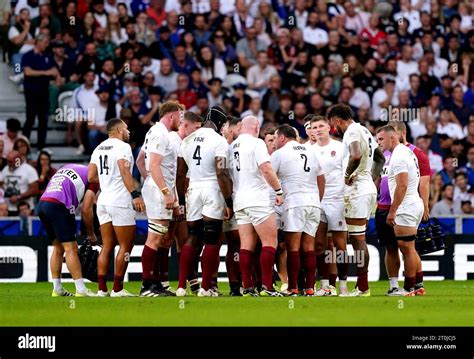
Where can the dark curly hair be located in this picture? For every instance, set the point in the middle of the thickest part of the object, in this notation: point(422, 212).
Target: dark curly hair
point(340, 110)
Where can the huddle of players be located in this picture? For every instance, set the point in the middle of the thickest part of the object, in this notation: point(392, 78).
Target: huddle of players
point(222, 183)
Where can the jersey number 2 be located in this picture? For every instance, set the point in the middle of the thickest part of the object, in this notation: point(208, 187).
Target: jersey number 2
point(305, 166)
point(104, 165)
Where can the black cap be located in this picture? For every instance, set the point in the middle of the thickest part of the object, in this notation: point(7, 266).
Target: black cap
point(217, 115)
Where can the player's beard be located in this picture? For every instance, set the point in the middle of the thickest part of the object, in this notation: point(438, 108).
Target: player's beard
point(339, 130)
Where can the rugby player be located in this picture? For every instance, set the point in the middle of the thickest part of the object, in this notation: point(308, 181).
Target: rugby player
point(251, 171)
point(424, 191)
point(329, 153)
point(111, 166)
point(407, 208)
point(208, 198)
point(361, 161)
point(230, 131)
point(177, 230)
point(302, 181)
point(56, 209)
point(159, 191)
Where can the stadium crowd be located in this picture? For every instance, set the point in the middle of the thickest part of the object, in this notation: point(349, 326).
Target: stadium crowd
point(276, 60)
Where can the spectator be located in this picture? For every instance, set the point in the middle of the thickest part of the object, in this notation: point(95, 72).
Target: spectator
point(98, 10)
point(255, 109)
point(44, 170)
point(382, 99)
point(167, 78)
point(428, 83)
point(114, 32)
point(12, 134)
point(21, 42)
point(224, 51)
point(24, 212)
point(240, 99)
point(248, 48)
point(143, 30)
point(461, 110)
point(242, 19)
point(201, 34)
point(3, 160)
point(22, 145)
point(373, 32)
point(446, 126)
point(283, 113)
point(210, 65)
point(183, 94)
point(436, 187)
point(298, 121)
point(105, 49)
point(466, 207)
point(202, 106)
point(258, 75)
point(368, 80)
point(447, 206)
point(449, 169)
point(270, 100)
point(47, 20)
point(66, 80)
point(313, 34)
point(38, 68)
point(461, 188)
point(182, 62)
point(3, 209)
point(215, 95)
point(19, 181)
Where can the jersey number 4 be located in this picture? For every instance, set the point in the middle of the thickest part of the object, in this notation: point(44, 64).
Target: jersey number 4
point(104, 165)
point(197, 155)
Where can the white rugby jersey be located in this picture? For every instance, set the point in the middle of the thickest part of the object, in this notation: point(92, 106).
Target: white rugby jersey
point(158, 140)
point(199, 150)
point(297, 168)
point(403, 159)
point(363, 183)
point(112, 189)
point(246, 154)
point(330, 159)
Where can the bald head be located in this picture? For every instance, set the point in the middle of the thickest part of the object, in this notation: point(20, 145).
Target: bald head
point(250, 126)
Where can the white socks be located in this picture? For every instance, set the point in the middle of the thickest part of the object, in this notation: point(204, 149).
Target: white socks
point(324, 283)
point(342, 284)
point(393, 282)
point(80, 286)
point(57, 285)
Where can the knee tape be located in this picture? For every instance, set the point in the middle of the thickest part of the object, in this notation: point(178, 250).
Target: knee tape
point(157, 228)
point(212, 231)
point(196, 228)
point(356, 230)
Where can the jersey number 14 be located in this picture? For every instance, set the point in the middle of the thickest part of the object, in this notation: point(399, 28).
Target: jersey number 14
point(104, 165)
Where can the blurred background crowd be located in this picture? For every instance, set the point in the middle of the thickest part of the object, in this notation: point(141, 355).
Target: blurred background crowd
point(279, 60)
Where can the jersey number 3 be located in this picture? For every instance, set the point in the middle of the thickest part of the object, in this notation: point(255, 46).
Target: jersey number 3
point(104, 165)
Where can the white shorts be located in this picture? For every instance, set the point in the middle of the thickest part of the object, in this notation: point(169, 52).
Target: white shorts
point(301, 219)
point(155, 203)
point(230, 225)
point(410, 215)
point(119, 216)
point(360, 206)
point(207, 202)
point(332, 213)
point(253, 215)
point(278, 214)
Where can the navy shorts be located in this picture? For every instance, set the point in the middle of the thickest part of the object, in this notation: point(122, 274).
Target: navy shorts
point(385, 233)
point(58, 222)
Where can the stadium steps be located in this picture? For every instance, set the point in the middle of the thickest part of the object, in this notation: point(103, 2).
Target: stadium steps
point(12, 104)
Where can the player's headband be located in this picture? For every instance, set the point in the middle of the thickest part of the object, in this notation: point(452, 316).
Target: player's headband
point(217, 116)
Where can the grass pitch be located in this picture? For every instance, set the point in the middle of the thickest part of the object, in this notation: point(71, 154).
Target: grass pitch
point(447, 303)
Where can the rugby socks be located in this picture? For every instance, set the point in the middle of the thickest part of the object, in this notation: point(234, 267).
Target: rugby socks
point(102, 279)
point(267, 260)
point(342, 271)
point(309, 264)
point(163, 263)
point(409, 283)
point(209, 259)
point(118, 283)
point(324, 283)
point(393, 282)
point(186, 264)
point(294, 264)
point(363, 281)
point(148, 264)
point(323, 267)
point(80, 286)
point(332, 279)
point(246, 261)
point(342, 284)
point(419, 278)
point(57, 285)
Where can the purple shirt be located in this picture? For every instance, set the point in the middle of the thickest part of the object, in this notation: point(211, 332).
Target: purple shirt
point(384, 198)
point(68, 186)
